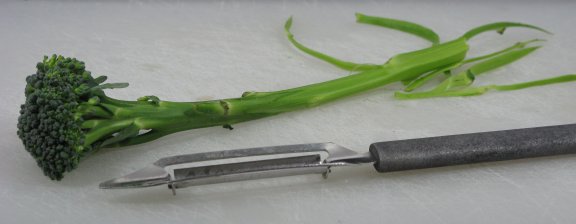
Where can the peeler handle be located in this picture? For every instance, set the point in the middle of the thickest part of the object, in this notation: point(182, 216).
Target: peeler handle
point(474, 148)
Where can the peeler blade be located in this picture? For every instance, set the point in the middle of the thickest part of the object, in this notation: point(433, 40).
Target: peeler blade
point(240, 164)
point(146, 177)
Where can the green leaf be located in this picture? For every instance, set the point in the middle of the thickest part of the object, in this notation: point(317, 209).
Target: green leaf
point(152, 99)
point(128, 132)
point(95, 100)
point(420, 81)
point(541, 82)
point(400, 25)
point(472, 91)
point(90, 124)
point(432, 94)
point(89, 110)
point(500, 60)
point(499, 27)
point(100, 79)
point(518, 45)
point(346, 65)
point(110, 86)
point(466, 78)
point(456, 85)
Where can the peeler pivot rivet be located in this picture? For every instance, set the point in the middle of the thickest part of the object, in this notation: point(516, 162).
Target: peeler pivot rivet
point(325, 174)
point(173, 188)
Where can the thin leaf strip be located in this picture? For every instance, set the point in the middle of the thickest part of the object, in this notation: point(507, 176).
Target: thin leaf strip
point(518, 45)
point(346, 65)
point(541, 82)
point(400, 25)
point(420, 81)
point(500, 60)
point(500, 27)
point(472, 91)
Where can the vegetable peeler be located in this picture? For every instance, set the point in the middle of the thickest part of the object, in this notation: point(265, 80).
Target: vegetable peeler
point(317, 158)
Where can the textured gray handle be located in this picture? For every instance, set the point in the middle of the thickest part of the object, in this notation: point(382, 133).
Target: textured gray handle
point(474, 148)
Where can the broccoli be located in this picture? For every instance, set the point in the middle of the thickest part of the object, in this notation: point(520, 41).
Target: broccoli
point(67, 116)
point(61, 98)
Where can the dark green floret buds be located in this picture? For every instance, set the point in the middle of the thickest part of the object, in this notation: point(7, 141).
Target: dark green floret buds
point(48, 125)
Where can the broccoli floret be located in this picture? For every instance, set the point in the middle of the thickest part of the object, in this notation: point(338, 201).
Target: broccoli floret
point(48, 125)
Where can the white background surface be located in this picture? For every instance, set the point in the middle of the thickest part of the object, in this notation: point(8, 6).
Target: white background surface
point(185, 52)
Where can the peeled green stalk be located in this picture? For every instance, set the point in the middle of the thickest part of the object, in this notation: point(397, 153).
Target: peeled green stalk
point(164, 117)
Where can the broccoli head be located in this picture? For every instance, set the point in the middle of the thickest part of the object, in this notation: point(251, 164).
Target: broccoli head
point(50, 124)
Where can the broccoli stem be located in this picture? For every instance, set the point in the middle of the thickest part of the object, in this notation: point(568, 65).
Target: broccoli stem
point(164, 117)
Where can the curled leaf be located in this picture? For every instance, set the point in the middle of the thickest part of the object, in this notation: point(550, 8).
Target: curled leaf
point(499, 27)
point(400, 25)
point(346, 65)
